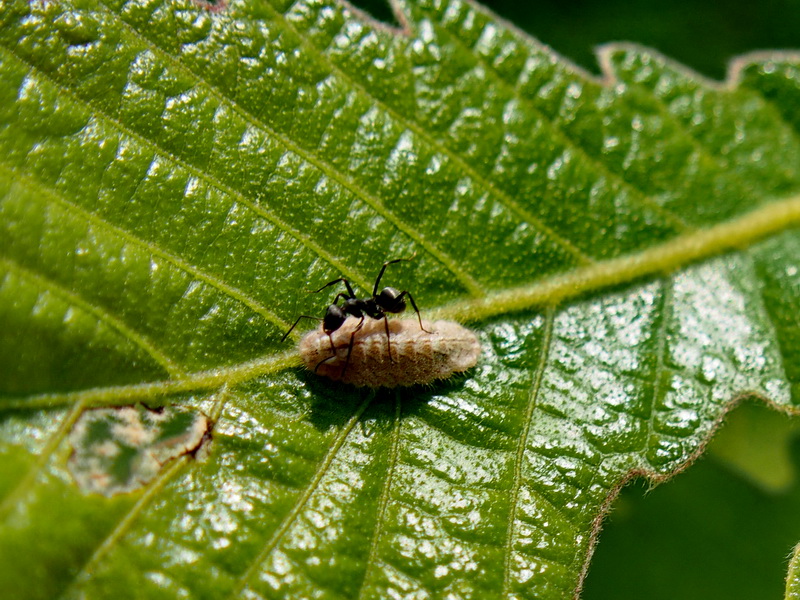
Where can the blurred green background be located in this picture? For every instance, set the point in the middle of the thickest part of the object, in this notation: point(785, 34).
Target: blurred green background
point(726, 527)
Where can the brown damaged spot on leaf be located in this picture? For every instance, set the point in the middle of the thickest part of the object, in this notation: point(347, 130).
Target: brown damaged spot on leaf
point(213, 6)
point(118, 450)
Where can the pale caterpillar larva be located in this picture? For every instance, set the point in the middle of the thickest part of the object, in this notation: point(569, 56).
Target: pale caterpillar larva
point(418, 356)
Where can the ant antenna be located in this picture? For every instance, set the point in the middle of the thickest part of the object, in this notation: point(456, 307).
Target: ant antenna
point(330, 283)
point(285, 335)
point(383, 268)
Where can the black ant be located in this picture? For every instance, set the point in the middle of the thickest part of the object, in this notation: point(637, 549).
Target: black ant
point(390, 300)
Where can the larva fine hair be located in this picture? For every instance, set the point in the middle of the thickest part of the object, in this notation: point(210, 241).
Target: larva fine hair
point(419, 356)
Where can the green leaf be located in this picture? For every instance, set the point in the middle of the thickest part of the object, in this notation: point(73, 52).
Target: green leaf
point(173, 177)
point(792, 577)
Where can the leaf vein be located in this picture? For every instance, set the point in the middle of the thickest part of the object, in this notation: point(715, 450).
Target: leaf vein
point(769, 317)
point(303, 498)
point(215, 182)
point(126, 522)
point(524, 214)
point(663, 258)
point(346, 181)
point(172, 368)
point(14, 497)
point(372, 555)
point(643, 198)
point(154, 391)
point(520, 452)
point(665, 311)
point(702, 146)
point(152, 248)
point(107, 545)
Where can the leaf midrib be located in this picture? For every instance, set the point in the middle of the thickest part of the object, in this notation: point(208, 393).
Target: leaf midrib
point(662, 259)
point(665, 258)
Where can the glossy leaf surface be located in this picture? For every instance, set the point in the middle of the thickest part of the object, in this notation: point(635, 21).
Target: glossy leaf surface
point(173, 177)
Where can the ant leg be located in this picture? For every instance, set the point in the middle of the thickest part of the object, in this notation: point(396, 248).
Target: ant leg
point(350, 346)
point(323, 361)
point(285, 335)
point(340, 295)
point(388, 341)
point(330, 283)
point(333, 348)
point(414, 305)
point(332, 356)
point(383, 268)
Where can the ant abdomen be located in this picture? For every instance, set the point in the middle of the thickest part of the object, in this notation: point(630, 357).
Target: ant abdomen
point(334, 317)
point(419, 356)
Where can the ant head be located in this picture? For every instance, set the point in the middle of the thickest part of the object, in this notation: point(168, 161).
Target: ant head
point(333, 319)
point(390, 300)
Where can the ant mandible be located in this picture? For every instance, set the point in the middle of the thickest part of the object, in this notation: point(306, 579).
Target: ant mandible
point(389, 300)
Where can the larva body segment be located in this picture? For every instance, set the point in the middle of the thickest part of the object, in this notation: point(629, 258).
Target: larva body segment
point(419, 357)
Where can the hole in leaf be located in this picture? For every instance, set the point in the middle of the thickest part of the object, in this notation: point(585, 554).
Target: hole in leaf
point(212, 5)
